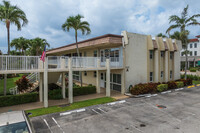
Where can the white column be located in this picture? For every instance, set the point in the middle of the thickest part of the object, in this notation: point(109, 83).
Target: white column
point(98, 78)
point(123, 88)
point(63, 85)
point(108, 77)
point(41, 87)
point(46, 82)
point(166, 66)
point(70, 81)
point(188, 65)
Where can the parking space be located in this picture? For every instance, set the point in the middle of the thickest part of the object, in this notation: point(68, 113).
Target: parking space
point(176, 111)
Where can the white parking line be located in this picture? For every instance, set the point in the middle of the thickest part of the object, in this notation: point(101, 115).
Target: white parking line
point(58, 124)
point(179, 89)
point(68, 113)
point(164, 92)
point(95, 111)
point(101, 110)
point(47, 125)
point(112, 103)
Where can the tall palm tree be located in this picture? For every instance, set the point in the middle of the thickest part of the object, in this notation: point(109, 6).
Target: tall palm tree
point(21, 44)
point(161, 35)
point(12, 15)
point(37, 46)
point(182, 22)
point(74, 22)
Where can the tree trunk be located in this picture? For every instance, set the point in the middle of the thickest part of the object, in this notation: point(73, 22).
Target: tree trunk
point(186, 63)
point(80, 73)
point(8, 35)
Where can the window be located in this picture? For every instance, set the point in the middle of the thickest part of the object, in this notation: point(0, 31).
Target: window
point(85, 73)
point(161, 74)
point(95, 74)
point(171, 55)
point(195, 45)
point(162, 53)
point(76, 75)
point(115, 82)
point(151, 77)
point(190, 53)
point(191, 45)
point(151, 54)
point(195, 53)
point(102, 76)
point(85, 54)
point(170, 75)
point(95, 53)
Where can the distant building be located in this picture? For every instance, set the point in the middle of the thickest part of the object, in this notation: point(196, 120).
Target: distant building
point(194, 52)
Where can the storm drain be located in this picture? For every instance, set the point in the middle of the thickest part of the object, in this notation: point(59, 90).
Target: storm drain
point(161, 106)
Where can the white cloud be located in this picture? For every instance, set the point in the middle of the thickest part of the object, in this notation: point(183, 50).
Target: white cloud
point(105, 16)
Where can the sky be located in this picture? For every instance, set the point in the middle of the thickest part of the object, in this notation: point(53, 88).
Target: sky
point(46, 17)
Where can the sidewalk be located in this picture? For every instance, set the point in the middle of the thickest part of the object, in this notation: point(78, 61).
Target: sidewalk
point(35, 105)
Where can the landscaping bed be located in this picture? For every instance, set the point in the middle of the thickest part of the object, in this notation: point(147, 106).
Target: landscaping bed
point(152, 88)
point(55, 94)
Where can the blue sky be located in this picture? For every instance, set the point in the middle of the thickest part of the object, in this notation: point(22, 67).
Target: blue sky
point(105, 16)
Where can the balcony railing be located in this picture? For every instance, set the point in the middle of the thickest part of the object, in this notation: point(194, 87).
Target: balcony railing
point(18, 62)
point(56, 62)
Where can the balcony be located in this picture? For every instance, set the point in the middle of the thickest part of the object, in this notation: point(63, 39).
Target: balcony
point(27, 64)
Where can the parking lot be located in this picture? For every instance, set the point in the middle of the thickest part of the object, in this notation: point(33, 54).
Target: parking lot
point(174, 112)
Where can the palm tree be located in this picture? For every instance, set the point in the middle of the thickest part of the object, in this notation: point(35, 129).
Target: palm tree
point(74, 22)
point(21, 44)
point(182, 22)
point(12, 15)
point(161, 35)
point(37, 46)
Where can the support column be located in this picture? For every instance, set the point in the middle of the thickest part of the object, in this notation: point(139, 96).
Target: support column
point(40, 87)
point(123, 88)
point(108, 77)
point(63, 85)
point(98, 78)
point(166, 66)
point(156, 66)
point(188, 65)
point(46, 82)
point(70, 81)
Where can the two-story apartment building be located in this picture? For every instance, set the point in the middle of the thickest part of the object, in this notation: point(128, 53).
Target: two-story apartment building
point(194, 52)
point(134, 58)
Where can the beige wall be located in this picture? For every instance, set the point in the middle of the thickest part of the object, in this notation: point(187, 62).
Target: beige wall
point(89, 79)
point(177, 61)
point(136, 59)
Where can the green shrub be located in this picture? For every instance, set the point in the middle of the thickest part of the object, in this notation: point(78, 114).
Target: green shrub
point(55, 94)
point(18, 99)
point(162, 87)
point(77, 91)
point(23, 84)
point(84, 90)
point(193, 69)
point(182, 80)
point(179, 84)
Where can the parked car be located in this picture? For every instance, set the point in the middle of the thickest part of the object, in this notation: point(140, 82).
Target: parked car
point(14, 122)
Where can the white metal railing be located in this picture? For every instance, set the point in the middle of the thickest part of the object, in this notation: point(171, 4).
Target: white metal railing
point(18, 62)
point(54, 62)
point(84, 62)
point(33, 77)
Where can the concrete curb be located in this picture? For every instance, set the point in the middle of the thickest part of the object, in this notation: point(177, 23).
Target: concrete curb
point(74, 111)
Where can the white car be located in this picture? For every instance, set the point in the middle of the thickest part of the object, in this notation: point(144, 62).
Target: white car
point(14, 122)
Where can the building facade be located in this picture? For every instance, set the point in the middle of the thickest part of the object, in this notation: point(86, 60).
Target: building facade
point(134, 59)
point(193, 54)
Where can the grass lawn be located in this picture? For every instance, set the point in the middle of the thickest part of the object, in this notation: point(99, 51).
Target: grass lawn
point(76, 105)
point(10, 83)
point(196, 82)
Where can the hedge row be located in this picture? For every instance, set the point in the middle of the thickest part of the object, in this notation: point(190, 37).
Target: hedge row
point(77, 91)
point(192, 77)
point(158, 87)
point(18, 99)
